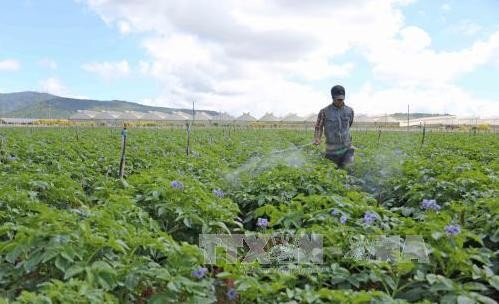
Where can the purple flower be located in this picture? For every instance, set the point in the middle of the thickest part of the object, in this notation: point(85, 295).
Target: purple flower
point(200, 272)
point(452, 229)
point(177, 185)
point(218, 192)
point(430, 204)
point(369, 217)
point(343, 219)
point(334, 212)
point(262, 222)
point(232, 294)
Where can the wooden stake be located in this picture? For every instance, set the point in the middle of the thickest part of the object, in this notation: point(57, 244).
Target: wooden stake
point(123, 146)
point(424, 133)
point(189, 125)
point(187, 148)
point(408, 118)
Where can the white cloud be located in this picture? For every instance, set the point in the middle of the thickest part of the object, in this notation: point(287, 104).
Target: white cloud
point(434, 99)
point(124, 27)
point(48, 63)
point(144, 67)
point(466, 27)
point(446, 7)
point(9, 65)
point(264, 55)
point(54, 86)
point(410, 60)
point(108, 70)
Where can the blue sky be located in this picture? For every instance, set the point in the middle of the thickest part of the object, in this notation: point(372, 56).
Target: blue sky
point(447, 28)
point(69, 34)
point(141, 51)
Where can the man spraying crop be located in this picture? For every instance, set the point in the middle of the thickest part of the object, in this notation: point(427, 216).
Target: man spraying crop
point(335, 121)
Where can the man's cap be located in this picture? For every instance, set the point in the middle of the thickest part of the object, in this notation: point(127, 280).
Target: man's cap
point(338, 92)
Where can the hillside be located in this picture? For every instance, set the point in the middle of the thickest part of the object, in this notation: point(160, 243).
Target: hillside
point(10, 102)
point(403, 116)
point(42, 105)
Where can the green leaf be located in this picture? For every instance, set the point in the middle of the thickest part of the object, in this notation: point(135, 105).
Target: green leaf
point(61, 264)
point(187, 222)
point(68, 253)
point(436, 235)
point(484, 299)
point(419, 276)
point(475, 286)
point(131, 281)
point(13, 254)
point(224, 275)
point(404, 267)
point(495, 236)
point(465, 300)
point(431, 278)
point(73, 270)
point(494, 282)
point(105, 280)
point(389, 280)
point(33, 261)
point(173, 286)
point(160, 299)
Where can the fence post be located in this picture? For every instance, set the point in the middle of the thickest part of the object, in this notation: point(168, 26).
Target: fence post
point(3, 144)
point(189, 125)
point(408, 116)
point(123, 146)
point(379, 135)
point(424, 133)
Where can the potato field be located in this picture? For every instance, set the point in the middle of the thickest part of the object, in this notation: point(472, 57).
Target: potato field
point(72, 231)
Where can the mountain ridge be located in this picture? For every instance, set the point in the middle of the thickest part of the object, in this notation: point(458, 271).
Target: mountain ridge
point(30, 104)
